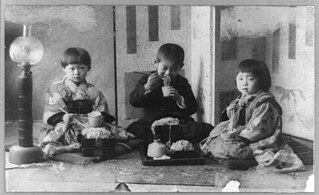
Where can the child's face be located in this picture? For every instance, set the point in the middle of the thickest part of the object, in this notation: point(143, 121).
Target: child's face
point(76, 72)
point(167, 68)
point(247, 83)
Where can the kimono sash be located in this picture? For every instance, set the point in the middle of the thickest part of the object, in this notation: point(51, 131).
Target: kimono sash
point(79, 106)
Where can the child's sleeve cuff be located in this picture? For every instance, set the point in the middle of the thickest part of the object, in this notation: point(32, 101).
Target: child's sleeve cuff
point(147, 92)
point(181, 103)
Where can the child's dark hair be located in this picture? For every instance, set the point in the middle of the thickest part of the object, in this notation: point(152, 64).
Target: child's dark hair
point(258, 69)
point(172, 52)
point(76, 55)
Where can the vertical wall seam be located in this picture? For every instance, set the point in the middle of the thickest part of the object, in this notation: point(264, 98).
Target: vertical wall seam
point(115, 64)
point(217, 58)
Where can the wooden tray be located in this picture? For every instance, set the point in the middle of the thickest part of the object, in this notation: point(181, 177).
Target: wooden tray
point(148, 161)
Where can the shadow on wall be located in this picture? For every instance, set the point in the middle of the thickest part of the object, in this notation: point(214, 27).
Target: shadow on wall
point(200, 93)
point(131, 78)
point(12, 71)
point(296, 96)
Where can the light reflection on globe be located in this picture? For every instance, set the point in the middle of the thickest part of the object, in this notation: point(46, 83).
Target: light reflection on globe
point(26, 49)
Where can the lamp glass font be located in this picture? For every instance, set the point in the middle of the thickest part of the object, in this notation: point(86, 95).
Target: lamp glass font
point(26, 49)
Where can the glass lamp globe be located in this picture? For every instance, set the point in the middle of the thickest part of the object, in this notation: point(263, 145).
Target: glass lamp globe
point(26, 49)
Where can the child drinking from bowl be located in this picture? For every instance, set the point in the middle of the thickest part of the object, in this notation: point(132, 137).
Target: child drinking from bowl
point(165, 93)
point(66, 102)
point(252, 135)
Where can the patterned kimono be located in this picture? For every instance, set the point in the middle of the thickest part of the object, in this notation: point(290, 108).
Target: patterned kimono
point(66, 97)
point(254, 131)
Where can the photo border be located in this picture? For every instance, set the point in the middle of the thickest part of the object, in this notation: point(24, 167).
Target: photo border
point(3, 3)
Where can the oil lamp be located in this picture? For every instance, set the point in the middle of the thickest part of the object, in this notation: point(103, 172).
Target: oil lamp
point(26, 51)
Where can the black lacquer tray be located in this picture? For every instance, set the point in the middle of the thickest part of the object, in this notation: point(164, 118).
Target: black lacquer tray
point(177, 158)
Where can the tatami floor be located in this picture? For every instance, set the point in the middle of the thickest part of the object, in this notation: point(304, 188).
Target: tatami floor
point(55, 176)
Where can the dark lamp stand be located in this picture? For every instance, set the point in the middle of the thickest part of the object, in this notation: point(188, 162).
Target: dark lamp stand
point(25, 152)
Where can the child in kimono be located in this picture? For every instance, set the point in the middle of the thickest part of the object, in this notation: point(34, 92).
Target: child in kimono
point(66, 103)
point(165, 93)
point(253, 133)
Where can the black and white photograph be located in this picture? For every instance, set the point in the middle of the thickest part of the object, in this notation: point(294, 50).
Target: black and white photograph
point(137, 96)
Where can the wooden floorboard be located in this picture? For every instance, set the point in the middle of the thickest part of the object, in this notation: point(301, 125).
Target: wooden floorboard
point(302, 147)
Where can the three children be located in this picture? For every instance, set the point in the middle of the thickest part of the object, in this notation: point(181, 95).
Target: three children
point(252, 134)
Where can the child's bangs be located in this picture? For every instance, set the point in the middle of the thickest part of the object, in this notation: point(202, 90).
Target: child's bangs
point(72, 59)
point(244, 67)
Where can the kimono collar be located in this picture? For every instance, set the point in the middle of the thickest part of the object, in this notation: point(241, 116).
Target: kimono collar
point(247, 99)
point(74, 87)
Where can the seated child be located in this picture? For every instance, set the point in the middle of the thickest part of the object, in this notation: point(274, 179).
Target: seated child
point(165, 93)
point(66, 103)
point(252, 135)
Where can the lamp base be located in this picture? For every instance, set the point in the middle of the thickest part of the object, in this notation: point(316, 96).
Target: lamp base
point(25, 155)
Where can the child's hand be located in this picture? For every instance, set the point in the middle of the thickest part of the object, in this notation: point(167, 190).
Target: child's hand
point(152, 82)
point(67, 118)
point(174, 93)
point(230, 108)
point(171, 91)
point(165, 91)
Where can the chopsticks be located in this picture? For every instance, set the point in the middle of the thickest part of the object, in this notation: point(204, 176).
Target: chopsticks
point(167, 80)
point(77, 121)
